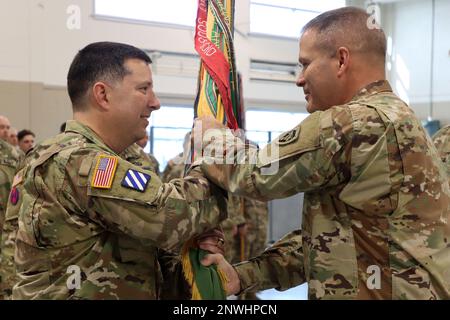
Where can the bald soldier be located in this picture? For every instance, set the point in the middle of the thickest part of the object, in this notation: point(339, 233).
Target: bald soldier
point(91, 223)
point(375, 216)
point(441, 141)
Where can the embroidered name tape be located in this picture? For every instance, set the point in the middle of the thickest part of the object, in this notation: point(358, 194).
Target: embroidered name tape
point(104, 172)
point(136, 180)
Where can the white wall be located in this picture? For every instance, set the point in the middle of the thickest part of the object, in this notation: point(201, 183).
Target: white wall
point(409, 24)
point(42, 48)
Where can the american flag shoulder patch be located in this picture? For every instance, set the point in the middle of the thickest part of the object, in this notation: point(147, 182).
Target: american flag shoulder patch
point(136, 180)
point(104, 172)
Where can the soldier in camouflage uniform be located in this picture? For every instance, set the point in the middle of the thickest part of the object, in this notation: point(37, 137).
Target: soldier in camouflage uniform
point(247, 237)
point(153, 162)
point(92, 224)
point(174, 168)
point(169, 262)
point(9, 161)
point(256, 215)
point(442, 143)
point(375, 217)
point(232, 227)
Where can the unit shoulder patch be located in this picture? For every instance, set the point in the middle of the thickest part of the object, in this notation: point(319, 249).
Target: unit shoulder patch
point(136, 180)
point(288, 137)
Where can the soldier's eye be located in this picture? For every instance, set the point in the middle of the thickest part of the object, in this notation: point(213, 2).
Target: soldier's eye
point(303, 66)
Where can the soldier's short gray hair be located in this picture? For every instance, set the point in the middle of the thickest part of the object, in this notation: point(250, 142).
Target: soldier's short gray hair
point(348, 27)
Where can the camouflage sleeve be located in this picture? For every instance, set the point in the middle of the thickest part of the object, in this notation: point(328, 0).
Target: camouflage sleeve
point(161, 215)
point(441, 141)
point(280, 266)
point(255, 208)
point(235, 210)
point(155, 164)
point(174, 285)
point(303, 159)
point(6, 177)
point(165, 177)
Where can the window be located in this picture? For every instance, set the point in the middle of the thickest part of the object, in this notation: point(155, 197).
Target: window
point(286, 18)
point(169, 125)
point(167, 129)
point(264, 126)
point(179, 12)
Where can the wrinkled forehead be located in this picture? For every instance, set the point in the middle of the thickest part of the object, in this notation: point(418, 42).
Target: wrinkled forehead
point(4, 122)
point(308, 44)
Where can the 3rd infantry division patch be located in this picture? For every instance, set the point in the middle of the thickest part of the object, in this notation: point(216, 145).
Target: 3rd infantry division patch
point(136, 180)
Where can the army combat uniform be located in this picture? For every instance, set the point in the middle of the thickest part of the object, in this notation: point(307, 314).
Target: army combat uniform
point(375, 216)
point(168, 261)
point(174, 169)
point(256, 215)
point(153, 163)
point(85, 211)
point(442, 143)
point(9, 161)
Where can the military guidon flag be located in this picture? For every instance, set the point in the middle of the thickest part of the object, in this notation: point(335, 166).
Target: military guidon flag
point(217, 95)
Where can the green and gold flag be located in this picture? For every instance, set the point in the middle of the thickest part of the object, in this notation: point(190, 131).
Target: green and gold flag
point(217, 95)
point(218, 91)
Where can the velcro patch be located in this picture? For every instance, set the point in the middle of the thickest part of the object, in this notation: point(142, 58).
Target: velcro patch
point(17, 179)
point(288, 137)
point(104, 172)
point(136, 180)
point(14, 196)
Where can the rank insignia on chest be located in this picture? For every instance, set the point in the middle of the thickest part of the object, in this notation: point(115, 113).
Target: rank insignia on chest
point(136, 180)
point(104, 172)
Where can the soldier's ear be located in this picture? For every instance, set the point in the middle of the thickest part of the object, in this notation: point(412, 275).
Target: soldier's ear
point(101, 95)
point(343, 56)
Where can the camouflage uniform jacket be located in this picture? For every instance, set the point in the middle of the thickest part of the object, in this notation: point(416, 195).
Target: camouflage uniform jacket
point(442, 142)
point(375, 216)
point(256, 214)
point(174, 168)
point(113, 235)
point(9, 160)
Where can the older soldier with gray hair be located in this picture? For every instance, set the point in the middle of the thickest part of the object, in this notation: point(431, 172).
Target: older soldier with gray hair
point(93, 222)
point(376, 209)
